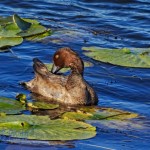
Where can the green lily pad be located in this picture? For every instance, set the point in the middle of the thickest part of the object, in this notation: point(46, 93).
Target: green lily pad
point(10, 41)
point(9, 30)
point(122, 57)
point(43, 105)
point(22, 24)
point(31, 21)
point(10, 106)
point(42, 128)
point(39, 37)
point(105, 117)
point(99, 114)
point(2, 114)
point(86, 64)
point(9, 19)
point(5, 20)
point(8, 36)
point(14, 29)
point(33, 30)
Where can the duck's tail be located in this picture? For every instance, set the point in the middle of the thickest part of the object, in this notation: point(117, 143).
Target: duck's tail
point(39, 67)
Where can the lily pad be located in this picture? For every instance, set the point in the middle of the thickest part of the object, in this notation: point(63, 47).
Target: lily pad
point(122, 57)
point(43, 105)
point(42, 128)
point(14, 29)
point(9, 19)
point(86, 64)
point(31, 21)
point(10, 106)
point(39, 37)
point(8, 36)
point(5, 20)
point(33, 30)
point(9, 30)
point(6, 42)
point(99, 114)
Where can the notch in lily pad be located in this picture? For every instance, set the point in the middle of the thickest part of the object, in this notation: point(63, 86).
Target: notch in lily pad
point(22, 24)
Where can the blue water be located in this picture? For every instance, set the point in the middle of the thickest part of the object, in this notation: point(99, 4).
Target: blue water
point(109, 24)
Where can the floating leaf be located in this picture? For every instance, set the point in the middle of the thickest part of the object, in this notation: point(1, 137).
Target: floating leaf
point(42, 128)
point(31, 21)
point(39, 37)
point(80, 116)
point(10, 106)
point(5, 20)
point(43, 105)
point(99, 114)
point(9, 19)
point(9, 30)
point(22, 24)
point(31, 29)
point(8, 36)
point(116, 114)
point(10, 41)
point(35, 29)
point(2, 114)
point(14, 29)
point(121, 57)
point(86, 64)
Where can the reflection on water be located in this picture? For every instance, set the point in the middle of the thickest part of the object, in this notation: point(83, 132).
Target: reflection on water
point(109, 23)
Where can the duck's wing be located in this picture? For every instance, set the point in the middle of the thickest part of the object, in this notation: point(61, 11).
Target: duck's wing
point(94, 97)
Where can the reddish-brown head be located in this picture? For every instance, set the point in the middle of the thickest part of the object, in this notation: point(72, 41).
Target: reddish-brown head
point(67, 58)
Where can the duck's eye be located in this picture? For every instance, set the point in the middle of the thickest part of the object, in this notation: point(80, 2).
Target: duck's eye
point(57, 56)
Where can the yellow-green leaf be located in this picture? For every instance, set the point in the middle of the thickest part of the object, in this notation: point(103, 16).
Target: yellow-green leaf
point(123, 57)
point(10, 106)
point(44, 105)
point(42, 128)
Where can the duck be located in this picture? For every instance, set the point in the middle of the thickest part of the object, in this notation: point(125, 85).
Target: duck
point(70, 89)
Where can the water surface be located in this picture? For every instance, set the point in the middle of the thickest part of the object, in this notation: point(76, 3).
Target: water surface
point(109, 24)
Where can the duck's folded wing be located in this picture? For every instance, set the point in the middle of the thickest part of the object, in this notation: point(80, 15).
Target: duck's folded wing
point(94, 97)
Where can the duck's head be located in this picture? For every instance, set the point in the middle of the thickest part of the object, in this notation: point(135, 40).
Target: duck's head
point(67, 58)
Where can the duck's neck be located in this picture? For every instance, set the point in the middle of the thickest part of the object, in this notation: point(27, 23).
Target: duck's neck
point(74, 78)
point(79, 67)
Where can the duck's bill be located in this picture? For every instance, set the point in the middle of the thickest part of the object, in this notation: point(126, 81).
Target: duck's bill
point(55, 69)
